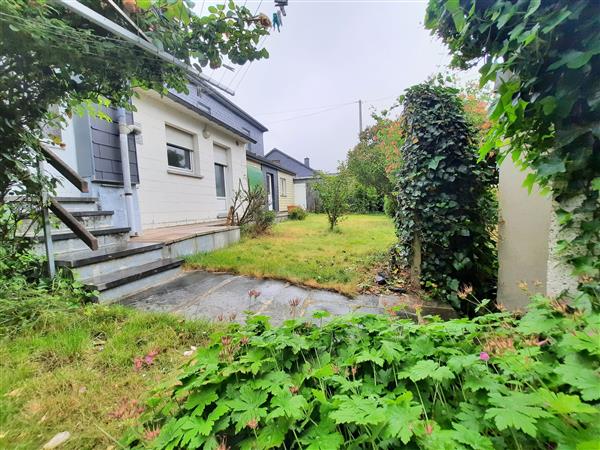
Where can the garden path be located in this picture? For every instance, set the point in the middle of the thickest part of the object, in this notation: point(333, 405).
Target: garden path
point(222, 296)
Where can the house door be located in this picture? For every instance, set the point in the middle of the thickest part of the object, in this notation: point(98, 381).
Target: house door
point(222, 180)
point(270, 190)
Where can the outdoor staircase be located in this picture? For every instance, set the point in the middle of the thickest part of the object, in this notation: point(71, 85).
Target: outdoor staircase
point(118, 267)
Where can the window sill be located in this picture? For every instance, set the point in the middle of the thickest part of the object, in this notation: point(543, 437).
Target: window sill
point(184, 173)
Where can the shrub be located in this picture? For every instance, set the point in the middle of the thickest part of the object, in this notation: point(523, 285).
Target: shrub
point(494, 382)
point(334, 194)
point(297, 213)
point(365, 199)
point(390, 205)
point(444, 204)
point(261, 224)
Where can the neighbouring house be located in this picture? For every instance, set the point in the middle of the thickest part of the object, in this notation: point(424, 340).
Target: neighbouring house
point(528, 233)
point(186, 154)
point(277, 181)
point(304, 195)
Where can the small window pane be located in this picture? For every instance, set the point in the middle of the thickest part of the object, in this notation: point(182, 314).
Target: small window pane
point(220, 179)
point(179, 157)
point(283, 187)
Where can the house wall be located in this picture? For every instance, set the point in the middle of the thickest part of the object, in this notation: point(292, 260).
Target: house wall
point(170, 197)
point(269, 170)
point(300, 194)
point(286, 200)
point(524, 229)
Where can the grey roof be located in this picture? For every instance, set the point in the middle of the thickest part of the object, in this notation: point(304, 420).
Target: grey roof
point(178, 99)
point(290, 163)
point(266, 162)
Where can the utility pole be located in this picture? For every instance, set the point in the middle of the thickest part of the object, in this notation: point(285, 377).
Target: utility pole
point(360, 116)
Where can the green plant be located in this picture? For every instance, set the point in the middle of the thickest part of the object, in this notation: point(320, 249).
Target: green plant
point(364, 199)
point(494, 382)
point(261, 224)
point(247, 204)
point(297, 213)
point(390, 205)
point(445, 209)
point(544, 58)
point(334, 195)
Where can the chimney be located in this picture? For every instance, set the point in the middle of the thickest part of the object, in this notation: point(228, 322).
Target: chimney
point(307, 162)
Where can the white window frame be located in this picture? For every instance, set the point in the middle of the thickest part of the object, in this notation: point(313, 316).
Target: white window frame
point(177, 168)
point(194, 170)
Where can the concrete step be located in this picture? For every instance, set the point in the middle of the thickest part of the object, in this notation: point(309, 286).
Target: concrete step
point(88, 264)
point(117, 285)
point(68, 242)
point(78, 203)
point(90, 219)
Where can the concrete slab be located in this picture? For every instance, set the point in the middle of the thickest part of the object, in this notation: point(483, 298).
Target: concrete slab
point(224, 297)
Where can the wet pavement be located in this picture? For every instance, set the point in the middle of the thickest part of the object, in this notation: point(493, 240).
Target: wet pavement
point(225, 297)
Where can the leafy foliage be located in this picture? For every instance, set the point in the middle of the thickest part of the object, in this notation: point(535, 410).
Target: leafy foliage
point(297, 213)
point(364, 199)
point(334, 195)
point(545, 60)
point(380, 382)
point(444, 200)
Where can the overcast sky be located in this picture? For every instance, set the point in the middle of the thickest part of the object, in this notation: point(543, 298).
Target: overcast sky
point(330, 53)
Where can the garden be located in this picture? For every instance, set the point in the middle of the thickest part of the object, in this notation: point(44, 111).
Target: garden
point(492, 379)
point(306, 252)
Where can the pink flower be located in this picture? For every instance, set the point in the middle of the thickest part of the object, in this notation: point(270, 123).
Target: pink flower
point(484, 356)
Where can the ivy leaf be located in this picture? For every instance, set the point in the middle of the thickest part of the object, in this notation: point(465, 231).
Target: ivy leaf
point(517, 410)
point(358, 410)
point(433, 164)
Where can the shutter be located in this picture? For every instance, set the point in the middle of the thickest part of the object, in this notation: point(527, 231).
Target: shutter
point(220, 156)
point(179, 138)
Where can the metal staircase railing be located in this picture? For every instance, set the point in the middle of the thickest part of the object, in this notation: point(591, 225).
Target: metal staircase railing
point(61, 213)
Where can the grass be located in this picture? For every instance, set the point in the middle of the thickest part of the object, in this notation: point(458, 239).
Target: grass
point(74, 371)
point(306, 252)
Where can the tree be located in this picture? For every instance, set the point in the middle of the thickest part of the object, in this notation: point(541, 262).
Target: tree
point(54, 62)
point(445, 215)
point(545, 60)
point(334, 194)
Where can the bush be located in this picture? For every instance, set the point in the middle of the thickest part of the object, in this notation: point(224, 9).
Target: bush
point(494, 382)
point(297, 213)
point(261, 224)
point(365, 199)
point(390, 205)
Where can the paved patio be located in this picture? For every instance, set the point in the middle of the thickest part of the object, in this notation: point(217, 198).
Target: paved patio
point(225, 297)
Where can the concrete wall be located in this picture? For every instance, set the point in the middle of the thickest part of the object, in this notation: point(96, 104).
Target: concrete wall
point(287, 199)
point(171, 197)
point(524, 231)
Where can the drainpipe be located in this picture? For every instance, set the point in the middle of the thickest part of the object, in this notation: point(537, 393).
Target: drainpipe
point(124, 144)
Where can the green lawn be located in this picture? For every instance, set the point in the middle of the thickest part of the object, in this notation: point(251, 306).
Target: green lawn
point(75, 372)
point(306, 252)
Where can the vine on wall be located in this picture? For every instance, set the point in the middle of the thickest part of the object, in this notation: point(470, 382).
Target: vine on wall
point(545, 60)
point(444, 199)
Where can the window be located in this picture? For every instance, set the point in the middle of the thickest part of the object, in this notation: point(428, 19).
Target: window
point(220, 180)
point(178, 157)
point(283, 189)
point(180, 148)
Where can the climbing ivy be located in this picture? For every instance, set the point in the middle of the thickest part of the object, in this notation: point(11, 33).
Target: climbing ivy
point(545, 60)
point(444, 197)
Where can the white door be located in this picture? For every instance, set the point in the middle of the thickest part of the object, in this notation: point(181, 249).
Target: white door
point(270, 191)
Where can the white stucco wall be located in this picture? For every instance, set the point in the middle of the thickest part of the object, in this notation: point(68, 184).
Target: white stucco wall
point(524, 225)
point(68, 154)
point(168, 198)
